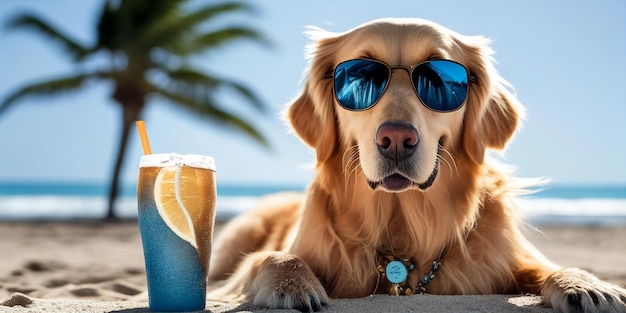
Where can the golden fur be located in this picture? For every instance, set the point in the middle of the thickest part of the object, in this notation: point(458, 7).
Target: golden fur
point(297, 250)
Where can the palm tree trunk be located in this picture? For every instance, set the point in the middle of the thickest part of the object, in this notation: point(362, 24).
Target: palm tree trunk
point(130, 115)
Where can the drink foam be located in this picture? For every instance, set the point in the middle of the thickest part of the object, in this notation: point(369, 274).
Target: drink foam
point(174, 159)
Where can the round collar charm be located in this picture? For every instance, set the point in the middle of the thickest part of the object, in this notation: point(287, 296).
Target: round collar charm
point(396, 272)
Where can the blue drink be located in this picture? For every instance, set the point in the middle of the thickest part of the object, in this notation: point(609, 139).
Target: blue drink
point(176, 270)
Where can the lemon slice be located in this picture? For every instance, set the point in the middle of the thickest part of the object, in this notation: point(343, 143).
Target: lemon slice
point(184, 201)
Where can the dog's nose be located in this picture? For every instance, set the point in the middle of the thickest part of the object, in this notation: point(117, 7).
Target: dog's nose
point(396, 140)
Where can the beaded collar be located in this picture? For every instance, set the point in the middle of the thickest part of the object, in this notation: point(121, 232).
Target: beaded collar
point(396, 271)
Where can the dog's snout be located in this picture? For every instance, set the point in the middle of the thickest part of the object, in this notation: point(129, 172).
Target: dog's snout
point(396, 140)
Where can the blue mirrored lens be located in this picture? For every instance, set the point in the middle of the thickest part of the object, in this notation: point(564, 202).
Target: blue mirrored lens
point(359, 84)
point(441, 84)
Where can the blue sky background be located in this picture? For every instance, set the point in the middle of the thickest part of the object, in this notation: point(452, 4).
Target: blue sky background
point(566, 59)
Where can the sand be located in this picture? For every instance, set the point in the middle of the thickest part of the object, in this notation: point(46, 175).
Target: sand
point(90, 266)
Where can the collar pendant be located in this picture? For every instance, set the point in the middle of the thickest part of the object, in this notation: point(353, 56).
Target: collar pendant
point(396, 271)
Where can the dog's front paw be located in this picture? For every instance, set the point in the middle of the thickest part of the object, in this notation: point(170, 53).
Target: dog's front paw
point(574, 290)
point(286, 282)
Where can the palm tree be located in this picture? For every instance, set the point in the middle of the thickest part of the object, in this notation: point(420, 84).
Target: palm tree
point(148, 44)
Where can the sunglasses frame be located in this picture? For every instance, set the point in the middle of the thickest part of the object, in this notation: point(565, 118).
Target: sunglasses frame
point(409, 69)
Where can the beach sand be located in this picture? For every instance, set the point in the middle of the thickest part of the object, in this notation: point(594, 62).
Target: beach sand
point(90, 266)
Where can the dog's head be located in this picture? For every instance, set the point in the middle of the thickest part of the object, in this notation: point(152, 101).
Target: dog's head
point(400, 143)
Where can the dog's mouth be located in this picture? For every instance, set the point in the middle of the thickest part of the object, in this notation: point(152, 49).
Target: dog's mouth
point(397, 182)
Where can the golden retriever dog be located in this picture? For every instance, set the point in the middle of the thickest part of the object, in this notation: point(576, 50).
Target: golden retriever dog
point(401, 113)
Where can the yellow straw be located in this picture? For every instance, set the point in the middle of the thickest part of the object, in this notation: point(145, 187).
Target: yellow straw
point(141, 127)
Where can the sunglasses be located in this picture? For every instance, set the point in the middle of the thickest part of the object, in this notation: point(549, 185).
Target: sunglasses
point(441, 85)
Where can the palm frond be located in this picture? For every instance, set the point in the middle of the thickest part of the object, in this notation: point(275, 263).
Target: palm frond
point(191, 82)
point(175, 32)
point(146, 13)
point(32, 22)
point(124, 23)
point(247, 93)
point(206, 107)
point(108, 27)
point(217, 38)
point(48, 88)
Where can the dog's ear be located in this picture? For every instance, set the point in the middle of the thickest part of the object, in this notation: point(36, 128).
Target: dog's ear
point(493, 113)
point(315, 126)
point(312, 114)
point(491, 125)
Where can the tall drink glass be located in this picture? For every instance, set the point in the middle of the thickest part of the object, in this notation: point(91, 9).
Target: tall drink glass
point(176, 198)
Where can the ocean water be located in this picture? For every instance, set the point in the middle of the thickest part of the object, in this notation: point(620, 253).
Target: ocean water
point(560, 204)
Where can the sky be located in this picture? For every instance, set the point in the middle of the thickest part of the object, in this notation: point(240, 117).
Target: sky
point(566, 60)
